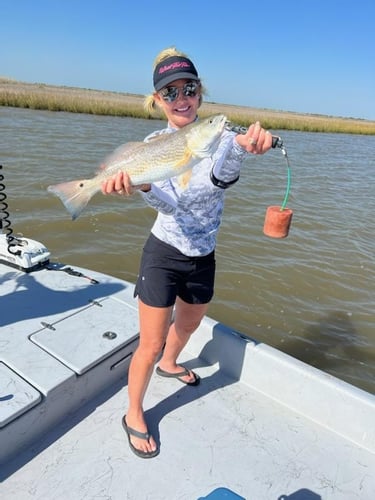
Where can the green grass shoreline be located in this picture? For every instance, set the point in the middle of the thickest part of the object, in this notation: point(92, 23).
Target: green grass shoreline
point(97, 102)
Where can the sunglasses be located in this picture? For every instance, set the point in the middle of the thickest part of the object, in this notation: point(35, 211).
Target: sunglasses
point(170, 94)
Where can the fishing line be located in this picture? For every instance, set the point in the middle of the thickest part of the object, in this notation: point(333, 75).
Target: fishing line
point(289, 178)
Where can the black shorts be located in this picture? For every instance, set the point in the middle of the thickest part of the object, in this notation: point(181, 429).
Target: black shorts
point(165, 273)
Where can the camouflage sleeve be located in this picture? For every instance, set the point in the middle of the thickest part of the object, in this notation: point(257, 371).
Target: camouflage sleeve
point(160, 199)
point(228, 159)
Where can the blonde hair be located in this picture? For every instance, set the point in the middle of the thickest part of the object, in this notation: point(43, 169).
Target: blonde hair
point(150, 105)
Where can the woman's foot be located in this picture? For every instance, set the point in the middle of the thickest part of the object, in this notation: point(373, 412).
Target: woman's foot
point(140, 441)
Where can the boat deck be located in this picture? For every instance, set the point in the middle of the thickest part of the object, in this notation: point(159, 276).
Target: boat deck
point(261, 424)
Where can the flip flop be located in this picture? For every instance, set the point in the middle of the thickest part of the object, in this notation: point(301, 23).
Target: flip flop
point(179, 375)
point(142, 435)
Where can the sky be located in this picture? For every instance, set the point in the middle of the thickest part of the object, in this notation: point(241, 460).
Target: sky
point(314, 56)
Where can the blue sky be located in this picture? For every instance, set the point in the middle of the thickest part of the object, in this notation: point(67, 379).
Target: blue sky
point(294, 55)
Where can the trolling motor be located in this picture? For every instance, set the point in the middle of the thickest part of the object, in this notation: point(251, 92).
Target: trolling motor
point(18, 252)
point(278, 218)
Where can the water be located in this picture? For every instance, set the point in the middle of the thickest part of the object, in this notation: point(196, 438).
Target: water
point(310, 295)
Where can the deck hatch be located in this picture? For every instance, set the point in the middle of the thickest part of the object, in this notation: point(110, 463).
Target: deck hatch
point(16, 395)
point(106, 330)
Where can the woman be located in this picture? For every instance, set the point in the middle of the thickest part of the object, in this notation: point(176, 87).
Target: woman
point(178, 264)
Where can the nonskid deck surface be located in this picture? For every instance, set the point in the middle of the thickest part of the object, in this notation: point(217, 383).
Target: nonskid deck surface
point(219, 434)
point(260, 423)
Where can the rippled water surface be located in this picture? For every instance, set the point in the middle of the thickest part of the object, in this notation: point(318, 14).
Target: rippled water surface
point(310, 295)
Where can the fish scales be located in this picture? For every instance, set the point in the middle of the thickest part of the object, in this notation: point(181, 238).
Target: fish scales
point(170, 154)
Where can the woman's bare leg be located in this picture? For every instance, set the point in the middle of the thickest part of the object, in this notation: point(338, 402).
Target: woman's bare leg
point(187, 320)
point(154, 325)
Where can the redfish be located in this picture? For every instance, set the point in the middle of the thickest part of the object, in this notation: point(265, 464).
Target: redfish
point(165, 156)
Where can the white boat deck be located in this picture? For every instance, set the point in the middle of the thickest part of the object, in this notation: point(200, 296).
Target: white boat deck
point(261, 425)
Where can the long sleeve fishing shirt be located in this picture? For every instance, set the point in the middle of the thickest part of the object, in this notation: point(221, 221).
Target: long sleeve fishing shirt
point(189, 217)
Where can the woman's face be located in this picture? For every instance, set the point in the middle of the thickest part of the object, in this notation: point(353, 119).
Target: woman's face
point(180, 101)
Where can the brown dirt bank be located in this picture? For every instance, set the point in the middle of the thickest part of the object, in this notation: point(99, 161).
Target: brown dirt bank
point(61, 98)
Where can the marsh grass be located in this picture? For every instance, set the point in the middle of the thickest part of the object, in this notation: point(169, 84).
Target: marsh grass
point(76, 100)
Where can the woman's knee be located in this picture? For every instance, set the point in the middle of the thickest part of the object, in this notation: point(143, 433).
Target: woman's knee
point(187, 326)
point(150, 350)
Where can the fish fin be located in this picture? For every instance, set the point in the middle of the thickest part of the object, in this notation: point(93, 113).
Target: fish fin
point(185, 159)
point(155, 138)
point(75, 195)
point(184, 179)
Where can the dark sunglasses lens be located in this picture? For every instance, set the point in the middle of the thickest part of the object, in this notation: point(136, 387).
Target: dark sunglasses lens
point(190, 89)
point(170, 94)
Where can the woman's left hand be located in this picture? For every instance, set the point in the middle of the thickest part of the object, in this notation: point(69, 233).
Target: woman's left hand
point(257, 140)
point(121, 184)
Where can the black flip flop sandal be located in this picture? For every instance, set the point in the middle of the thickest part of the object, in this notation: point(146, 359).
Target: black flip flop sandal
point(179, 375)
point(141, 435)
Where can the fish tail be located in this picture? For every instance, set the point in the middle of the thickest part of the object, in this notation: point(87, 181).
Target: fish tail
point(75, 195)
